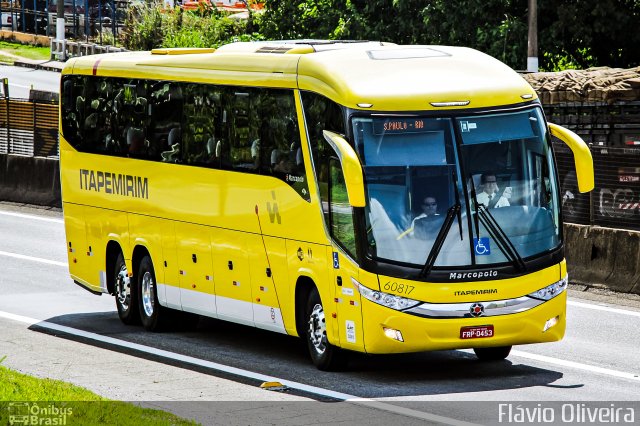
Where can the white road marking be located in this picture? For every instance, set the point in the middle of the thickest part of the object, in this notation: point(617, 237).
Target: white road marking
point(30, 216)
point(33, 259)
point(578, 366)
point(570, 364)
point(237, 371)
point(603, 308)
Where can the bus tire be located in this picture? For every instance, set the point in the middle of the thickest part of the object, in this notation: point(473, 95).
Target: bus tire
point(497, 353)
point(324, 355)
point(126, 293)
point(152, 314)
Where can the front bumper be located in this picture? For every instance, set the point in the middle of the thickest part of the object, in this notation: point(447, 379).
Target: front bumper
point(424, 334)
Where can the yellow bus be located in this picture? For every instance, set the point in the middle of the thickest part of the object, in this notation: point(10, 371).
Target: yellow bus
point(363, 196)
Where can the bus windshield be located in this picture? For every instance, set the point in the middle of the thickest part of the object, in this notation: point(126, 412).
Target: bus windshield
point(492, 174)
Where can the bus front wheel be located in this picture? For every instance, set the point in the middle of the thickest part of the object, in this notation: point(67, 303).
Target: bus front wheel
point(126, 293)
point(324, 355)
point(492, 354)
point(151, 313)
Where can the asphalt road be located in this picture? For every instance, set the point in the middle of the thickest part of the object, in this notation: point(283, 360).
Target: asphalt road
point(599, 359)
point(22, 79)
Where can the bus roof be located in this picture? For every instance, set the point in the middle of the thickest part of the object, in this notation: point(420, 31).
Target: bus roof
point(359, 75)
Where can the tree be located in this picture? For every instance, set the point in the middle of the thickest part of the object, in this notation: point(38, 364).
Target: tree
point(586, 33)
point(579, 33)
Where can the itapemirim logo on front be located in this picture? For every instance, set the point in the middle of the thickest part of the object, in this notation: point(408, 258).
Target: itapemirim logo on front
point(38, 413)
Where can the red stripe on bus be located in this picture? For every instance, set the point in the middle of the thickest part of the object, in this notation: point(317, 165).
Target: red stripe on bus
point(95, 66)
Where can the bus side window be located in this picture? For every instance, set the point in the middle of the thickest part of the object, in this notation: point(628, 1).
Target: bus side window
point(321, 114)
point(71, 91)
point(283, 145)
point(242, 104)
point(165, 117)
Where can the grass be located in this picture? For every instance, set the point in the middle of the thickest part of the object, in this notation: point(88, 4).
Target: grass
point(24, 51)
point(81, 405)
point(6, 59)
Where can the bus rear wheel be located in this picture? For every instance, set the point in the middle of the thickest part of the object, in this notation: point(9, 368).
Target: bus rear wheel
point(126, 293)
point(151, 313)
point(324, 355)
point(497, 353)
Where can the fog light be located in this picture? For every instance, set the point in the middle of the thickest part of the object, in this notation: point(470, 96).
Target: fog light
point(393, 334)
point(550, 323)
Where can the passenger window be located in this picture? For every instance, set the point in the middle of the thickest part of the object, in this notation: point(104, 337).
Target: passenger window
point(244, 129)
point(322, 114)
point(165, 127)
point(197, 145)
point(73, 108)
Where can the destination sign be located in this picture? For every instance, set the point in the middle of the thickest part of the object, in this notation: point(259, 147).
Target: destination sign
point(399, 125)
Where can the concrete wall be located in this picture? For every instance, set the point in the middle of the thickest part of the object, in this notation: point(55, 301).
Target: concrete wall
point(603, 257)
point(31, 180)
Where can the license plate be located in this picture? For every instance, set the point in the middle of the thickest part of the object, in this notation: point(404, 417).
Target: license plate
point(477, 332)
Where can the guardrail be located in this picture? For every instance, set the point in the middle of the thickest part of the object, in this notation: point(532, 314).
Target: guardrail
point(29, 127)
point(63, 49)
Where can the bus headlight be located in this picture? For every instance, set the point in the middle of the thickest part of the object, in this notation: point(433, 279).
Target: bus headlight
point(551, 291)
point(385, 299)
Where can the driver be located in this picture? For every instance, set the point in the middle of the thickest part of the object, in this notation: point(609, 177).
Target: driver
point(489, 195)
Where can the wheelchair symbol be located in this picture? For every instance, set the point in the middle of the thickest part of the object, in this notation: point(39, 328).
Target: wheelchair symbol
point(482, 246)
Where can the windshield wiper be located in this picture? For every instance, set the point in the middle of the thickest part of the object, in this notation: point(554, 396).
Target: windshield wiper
point(442, 235)
point(504, 243)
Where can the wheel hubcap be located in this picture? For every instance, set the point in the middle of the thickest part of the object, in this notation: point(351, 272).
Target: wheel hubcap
point(123, 287)
point(148, 296)
point(317, 329)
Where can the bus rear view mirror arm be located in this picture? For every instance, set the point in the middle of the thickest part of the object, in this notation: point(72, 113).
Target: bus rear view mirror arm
point(581, 156)
point(351, 168)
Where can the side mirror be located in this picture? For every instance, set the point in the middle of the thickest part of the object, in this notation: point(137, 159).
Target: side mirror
point(581, 156)
point(351, 167)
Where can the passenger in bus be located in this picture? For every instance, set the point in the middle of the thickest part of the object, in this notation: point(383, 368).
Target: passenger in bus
point(489, 196)
point(282, 163)
point(427, 224)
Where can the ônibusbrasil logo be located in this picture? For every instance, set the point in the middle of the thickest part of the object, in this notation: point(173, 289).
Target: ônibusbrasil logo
point(38, 413)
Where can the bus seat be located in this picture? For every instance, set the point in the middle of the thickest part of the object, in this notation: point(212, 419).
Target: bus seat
point(140, 107)
point(91, 122)
point(80, 104)
point(275, 155)
point(135, 140)
point(211, 147)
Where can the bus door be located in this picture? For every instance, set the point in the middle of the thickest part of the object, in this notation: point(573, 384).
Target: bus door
point(77, 247)
point(197, 291)
point(267, 312)
point(347, 298)
point(233, 279)
point(349, 314)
